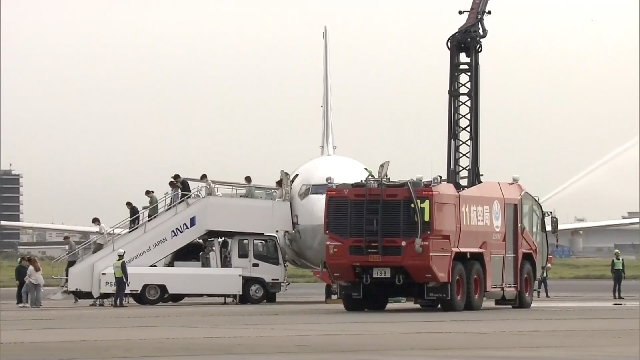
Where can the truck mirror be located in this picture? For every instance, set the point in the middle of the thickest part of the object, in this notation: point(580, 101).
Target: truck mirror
point(554, 224)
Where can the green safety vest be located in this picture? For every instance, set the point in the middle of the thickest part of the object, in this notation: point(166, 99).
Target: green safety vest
point(617, 264)
point(117, 268)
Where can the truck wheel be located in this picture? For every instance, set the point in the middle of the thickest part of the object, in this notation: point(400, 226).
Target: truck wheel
point(525, 287)
point(328, 292)
point(352, 304)
point(429, 306)
point(376, 303)
point(176, 298)
point(272, 297)
point(151, 294)
point(136, 299)
point(458, 287)
point(254, 292)
point(475, 285)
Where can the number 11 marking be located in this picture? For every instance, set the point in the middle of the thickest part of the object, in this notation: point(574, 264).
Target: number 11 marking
point(424, 204)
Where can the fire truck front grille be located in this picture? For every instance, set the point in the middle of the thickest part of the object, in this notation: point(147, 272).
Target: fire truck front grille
point(347, 219)
point(387, 250)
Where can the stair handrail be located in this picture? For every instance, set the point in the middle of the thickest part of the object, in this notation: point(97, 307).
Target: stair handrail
point(198, 193)
point(116, 230)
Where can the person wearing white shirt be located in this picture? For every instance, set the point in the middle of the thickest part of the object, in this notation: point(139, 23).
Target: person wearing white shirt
point(210, 190)
point(100, 243)
point(102, 238)
point(35, 278)
point(250, 190)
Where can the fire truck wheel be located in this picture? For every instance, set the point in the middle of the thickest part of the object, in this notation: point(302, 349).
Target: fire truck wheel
point(525, 288)
point(376, 303)
point(327, 292)
point(458, 287)
point(475, 285)
point(254, 291)
point(351, 304)
point(429, 306)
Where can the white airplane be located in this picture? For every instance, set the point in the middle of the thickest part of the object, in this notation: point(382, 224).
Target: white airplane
point(305, 248)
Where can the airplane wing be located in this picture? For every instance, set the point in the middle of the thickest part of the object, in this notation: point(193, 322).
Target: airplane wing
point(68, 228)
point(595, 224)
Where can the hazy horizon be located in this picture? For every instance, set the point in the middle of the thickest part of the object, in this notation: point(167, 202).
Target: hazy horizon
point(103, 100)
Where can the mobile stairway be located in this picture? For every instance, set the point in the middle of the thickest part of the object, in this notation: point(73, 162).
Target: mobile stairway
point(173, 228)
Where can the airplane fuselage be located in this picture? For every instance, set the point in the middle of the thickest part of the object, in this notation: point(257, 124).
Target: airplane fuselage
point(305, 247)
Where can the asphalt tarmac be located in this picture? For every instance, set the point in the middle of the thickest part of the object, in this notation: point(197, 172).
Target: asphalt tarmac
point(580, 321)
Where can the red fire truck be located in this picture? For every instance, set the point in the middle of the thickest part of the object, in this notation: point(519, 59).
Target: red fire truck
point(442, 242)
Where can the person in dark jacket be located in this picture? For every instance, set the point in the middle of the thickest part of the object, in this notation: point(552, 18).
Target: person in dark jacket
point(134, 216)
point(21, 273)
point(185, 188)
point(544, 275)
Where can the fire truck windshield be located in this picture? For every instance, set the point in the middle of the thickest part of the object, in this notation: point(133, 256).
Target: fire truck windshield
point(532, 218)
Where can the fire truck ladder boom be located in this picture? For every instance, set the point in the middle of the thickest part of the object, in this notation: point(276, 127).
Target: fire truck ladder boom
point(463, 157)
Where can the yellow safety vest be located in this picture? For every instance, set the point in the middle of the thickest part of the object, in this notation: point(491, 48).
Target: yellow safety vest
point(117, 268)
point(617, 264)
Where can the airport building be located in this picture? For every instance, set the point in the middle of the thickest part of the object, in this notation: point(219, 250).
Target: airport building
point(10, 207)
point(601, 242)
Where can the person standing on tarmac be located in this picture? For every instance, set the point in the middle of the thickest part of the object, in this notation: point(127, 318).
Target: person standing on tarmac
point(122, 278)
point(543, 280)
point(21, 273)
point(617, 272)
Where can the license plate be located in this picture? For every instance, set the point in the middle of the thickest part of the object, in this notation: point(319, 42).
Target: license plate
point(375, 258)
point(381, 272)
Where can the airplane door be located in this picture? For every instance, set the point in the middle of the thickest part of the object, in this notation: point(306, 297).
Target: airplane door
point(241, 254)
point(286, 185)
point(265, 262)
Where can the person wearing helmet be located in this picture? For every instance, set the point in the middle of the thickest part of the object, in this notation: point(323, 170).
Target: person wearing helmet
point(617, 272)
point(543, 280)
point(122, 277)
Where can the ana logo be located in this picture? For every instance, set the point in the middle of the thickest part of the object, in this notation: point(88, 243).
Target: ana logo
point(184, 227)
point(497, 216)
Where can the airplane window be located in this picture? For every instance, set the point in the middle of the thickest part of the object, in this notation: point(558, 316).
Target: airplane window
point(266, 250)
point(304, 191)
point(243, 249)
point(319, 189)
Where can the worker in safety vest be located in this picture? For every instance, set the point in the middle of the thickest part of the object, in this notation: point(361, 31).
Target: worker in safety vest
point(122, 278)
point(543, 280)
point(617, 272)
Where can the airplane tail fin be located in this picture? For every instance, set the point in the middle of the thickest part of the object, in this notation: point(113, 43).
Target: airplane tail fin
point(327, 147)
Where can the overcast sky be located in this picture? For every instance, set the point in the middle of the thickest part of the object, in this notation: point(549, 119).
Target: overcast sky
point(104, 99)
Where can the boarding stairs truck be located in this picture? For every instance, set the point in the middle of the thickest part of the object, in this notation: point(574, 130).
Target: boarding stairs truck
point(214, 246)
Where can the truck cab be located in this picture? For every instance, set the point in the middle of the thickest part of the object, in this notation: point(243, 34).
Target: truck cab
point(246, 267)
